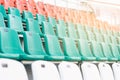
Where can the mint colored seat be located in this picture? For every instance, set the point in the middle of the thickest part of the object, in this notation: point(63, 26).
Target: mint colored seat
point(106, 39)
point(84, 50)
point(33, 26)
point(26, 15)
point(15, 22)
point(98, 37)
point(47, 28)
point(61, 31)
point(3, 11)
point(88, 28)
point(70, 50)
point(115, 51)
point(53, 49)
point(97, 51)
point(113, 40)
point(61, 22)
point(33, 46)
point(14, 11)
point(52, 21)
point(9, 44)
point(107, 52)
point(72, 33)
point(79, 26)
point(95, 30)
point(90, 36)
point(40, 18)
point(2, 24)
point(82, 34)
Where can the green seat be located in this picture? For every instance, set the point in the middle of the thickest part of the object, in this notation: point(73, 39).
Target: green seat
point(109, 32)
point(82, 34)
point(33, 26)
point(72, 32)
point(10, 44)
point(107, 52)
point(85, 51)
point(103, 31)
point(14, 11)
point(33, 46)
point(52, 21)
point(88, 28)
point(70, 50)
point(118, 40)
point(97, 51)
point(90, 36)
point(53, 49)
point(40, 18)
point(119, 48)
point(26, 15)
point(60, 31)
point(115, 51)
point(3, 11)
point(106, 39)
point(113, 40)
point(95, 30)
point(2, 24)
point(79, 26)
point(61, 22)
point(15, 22)
point(47, 28)
point(98, 37)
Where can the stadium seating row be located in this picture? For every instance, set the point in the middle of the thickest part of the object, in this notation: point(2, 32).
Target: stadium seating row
point(12, 70)
point(52, 49)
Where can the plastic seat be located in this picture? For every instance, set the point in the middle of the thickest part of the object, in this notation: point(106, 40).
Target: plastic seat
point(14, 11)
point(90, 71)
point(97, 51)
point(85, 51)
point(61, 22)
point(2, 24)
point(105, 71)
point(72, 32)
point(88, 28)
point(113, 40)
point(69, 71)
point(115, 51)
point(52, 21)
point(95, 30)
point(43, 70)
point(82, 34)
point(116, 70)
point(98, 37)
point(70, 50)
point(33, 46)
point(15, 22)
point(107, 52)
point(61, 31)
point(3, 11)
point(12, 70)
point(90, 36)
point(26, 15)
point(53, 49)
point(106, 39)
point(79, 26)
point(10, 44)
point(47, 28)
point(33, 26)
point(40, 18)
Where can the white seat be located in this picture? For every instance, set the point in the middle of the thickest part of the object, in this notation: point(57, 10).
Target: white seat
point(12, 70)
point(116, 70)
point(105, 71)
point(90, 71)
point(44, 70)
point(69, 71)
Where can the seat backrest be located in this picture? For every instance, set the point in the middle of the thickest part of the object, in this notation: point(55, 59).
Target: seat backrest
point(116, 70)
point(82, 34)
point(3, 11)
point(105, 71)
point(52, 46)
point(2, 24)
point(90, 71)
point(69, 71)
point(84, 48)
point(15, 22)
point(14, 11)
point(60, 31)
point(70, 48)
point(33, 44)
point(96, 49)
point(12, 70)
point(43, 70)
point(33, 26)
point(98, 37)
point(40, 18)
point(61, 22)
point(106, 38)
point(90, 36)
point(27, 14)
point(10, 42)
point(114, 40)
point(47, 28)
point(52, 21)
